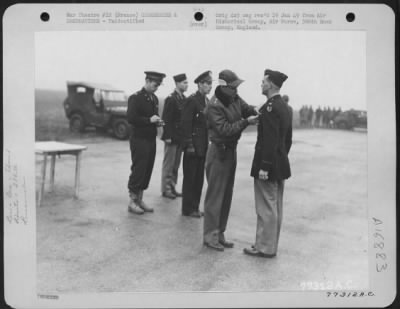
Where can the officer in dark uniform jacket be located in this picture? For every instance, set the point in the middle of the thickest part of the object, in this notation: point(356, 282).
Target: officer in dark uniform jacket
point(172, 137)
point(271, 165)
point(195, 145)
point(143, 116)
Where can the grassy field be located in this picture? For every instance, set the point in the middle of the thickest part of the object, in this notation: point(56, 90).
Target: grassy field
point(50, 120)
point(52, 124)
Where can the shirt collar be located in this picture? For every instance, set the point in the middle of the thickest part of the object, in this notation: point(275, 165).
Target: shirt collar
point(273, 96)
point(180, 95)
point(200, 94)
point(145, 91)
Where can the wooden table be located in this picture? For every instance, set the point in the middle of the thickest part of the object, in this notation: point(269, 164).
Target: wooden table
point(53, 149)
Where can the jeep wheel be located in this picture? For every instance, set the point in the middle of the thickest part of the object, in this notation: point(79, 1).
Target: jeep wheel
point(76, 123)
point(120, 128)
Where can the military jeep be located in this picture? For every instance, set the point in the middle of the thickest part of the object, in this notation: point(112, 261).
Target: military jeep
point(96, 105)
point(351, 119)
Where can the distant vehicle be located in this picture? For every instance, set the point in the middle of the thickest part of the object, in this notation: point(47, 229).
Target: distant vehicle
point(96, 105)
point(351, 119)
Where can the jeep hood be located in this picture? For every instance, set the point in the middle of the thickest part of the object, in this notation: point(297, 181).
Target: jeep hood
point(120, 110)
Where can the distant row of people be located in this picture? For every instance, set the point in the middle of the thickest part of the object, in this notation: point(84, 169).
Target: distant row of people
point(320, 118)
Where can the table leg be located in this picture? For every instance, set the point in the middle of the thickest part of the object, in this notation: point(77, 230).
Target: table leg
point(52, 171)
point(43, 179)
point(77, 173)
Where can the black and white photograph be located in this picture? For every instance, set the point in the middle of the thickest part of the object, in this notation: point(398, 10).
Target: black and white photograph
point(203, 161)
point(206, 161)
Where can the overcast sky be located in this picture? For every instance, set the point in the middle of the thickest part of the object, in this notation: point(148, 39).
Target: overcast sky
point(324, 68)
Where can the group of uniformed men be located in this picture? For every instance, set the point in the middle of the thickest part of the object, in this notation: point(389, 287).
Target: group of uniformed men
point(207, 133)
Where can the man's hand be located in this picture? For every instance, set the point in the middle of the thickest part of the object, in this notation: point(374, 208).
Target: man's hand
point(263, 175)
point(168, 141)
point(252, 120)
point(155, 119)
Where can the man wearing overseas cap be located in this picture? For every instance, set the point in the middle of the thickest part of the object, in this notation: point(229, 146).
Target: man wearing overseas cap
point(172, 137)
point(227, 116)
point(195, 144)
point(143, 116)
point(270, 165)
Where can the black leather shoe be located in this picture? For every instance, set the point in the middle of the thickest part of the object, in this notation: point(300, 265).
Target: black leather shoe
point(176, 193)
point(195, 214)
point(254, 252)
point(135, 209)
point(226, 244)
point(169, 195)
point(216, 246)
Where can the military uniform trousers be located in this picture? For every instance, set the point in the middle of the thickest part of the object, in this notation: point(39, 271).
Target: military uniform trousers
point(171, 163)
point(193, 179)
point(220, 172)
point(143, 153)
point(268, 198)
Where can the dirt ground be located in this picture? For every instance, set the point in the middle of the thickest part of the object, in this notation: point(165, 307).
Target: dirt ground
point(94, 245)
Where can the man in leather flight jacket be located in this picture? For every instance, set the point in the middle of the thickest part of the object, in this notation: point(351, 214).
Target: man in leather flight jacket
point(227, 116)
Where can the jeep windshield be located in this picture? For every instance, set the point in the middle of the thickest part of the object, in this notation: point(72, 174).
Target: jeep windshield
point(110, 98)
point(113, 95)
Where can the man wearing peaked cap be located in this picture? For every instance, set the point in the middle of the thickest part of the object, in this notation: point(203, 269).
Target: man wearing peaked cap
point(227, 116)
point(143, 117)
point(203, 77)
point(172, 137)
point(270, 165)
point(195, 143)
point(155, 76)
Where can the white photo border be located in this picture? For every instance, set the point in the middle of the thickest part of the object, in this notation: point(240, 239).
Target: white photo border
point(21, 21)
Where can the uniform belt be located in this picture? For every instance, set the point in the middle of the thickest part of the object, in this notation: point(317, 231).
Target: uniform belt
point(231, 145)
